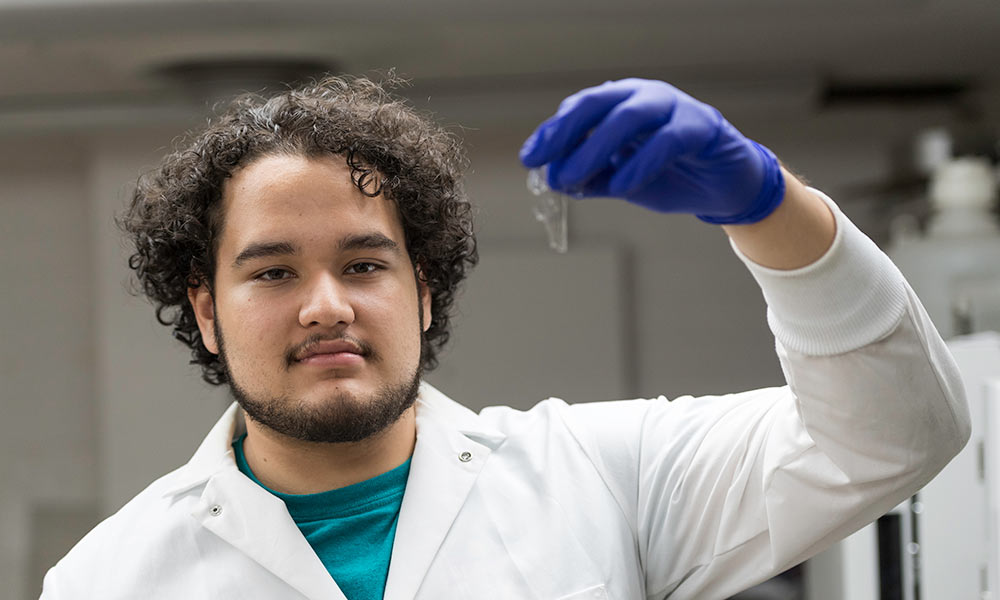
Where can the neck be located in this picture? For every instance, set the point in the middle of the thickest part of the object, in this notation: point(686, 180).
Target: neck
point(293, 466)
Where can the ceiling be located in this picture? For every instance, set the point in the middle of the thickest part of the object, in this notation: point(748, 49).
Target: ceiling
point(76, 59)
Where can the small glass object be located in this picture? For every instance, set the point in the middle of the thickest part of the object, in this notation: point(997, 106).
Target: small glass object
point(551, 208)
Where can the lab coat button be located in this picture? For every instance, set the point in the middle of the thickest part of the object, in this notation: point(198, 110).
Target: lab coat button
point(465, 456)
point(216, 510)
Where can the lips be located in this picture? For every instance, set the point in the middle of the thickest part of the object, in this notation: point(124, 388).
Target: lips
point(329, 348)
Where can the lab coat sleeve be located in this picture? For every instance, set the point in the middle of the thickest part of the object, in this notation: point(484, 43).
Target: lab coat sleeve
point(731, 490)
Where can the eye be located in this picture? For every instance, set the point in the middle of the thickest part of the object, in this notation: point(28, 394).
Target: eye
point(363, 268)
point(275, 274)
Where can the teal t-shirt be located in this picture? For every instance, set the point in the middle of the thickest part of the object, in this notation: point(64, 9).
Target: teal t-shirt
point(351, 529)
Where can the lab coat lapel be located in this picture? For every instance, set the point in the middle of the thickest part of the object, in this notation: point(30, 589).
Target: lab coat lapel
point(450, 452)
point(258, 524)
point(246, 516)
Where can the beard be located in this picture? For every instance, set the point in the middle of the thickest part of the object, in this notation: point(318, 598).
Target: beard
point(339, 418)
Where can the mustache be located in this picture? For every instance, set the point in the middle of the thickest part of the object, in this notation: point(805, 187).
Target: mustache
point(293, 354)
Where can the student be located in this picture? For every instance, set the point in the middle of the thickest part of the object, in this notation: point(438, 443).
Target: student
point(307, 247)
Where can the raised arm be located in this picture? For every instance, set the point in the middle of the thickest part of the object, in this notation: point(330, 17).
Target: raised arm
point(726, 491)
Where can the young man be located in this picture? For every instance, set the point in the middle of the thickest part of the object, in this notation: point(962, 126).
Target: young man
point(307, 248)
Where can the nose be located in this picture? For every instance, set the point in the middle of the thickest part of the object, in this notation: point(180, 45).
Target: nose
point(326, 303)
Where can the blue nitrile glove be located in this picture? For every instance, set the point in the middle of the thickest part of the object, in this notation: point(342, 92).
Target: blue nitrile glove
point(652, 144)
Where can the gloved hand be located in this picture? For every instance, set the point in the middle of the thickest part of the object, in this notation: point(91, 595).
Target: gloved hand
point(652, 144)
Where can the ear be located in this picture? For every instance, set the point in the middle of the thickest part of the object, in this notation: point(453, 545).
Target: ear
point(204, 312)
point(424, 291)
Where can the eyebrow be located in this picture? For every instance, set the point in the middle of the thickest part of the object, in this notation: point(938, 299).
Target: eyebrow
point(363, 241)
point(368, 241)
point(263, 250)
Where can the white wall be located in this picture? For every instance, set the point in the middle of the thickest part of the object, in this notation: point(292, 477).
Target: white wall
point(47, 431)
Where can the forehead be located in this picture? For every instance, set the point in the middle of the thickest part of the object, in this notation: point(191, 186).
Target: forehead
point(301, 199)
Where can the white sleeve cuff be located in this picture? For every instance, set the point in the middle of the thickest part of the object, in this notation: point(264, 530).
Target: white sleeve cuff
point(850, 297)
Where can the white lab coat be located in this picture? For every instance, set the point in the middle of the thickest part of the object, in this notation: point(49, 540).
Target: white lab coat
point(694, 498)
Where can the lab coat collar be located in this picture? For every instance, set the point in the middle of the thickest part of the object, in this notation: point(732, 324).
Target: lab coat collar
point(453, 444)
point(434, 411)
point(238, 511)
point(257, 523)
point(214, 454)
point(434, 406)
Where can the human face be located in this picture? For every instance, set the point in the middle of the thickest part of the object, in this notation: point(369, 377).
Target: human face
point(316, 311)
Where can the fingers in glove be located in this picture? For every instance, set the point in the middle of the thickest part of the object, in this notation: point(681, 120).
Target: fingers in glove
point(596, 186)
point(694, 127)
point(615, 137)
point(560, 134)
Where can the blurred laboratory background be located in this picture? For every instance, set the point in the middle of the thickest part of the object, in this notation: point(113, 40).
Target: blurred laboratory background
point(892, 107)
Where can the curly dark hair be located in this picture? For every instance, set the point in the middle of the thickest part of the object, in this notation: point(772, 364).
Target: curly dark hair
point(175, 218)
